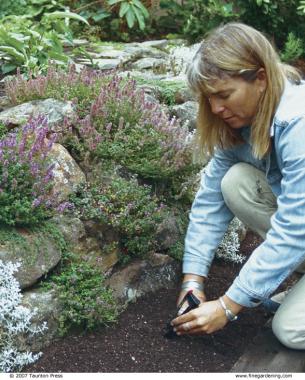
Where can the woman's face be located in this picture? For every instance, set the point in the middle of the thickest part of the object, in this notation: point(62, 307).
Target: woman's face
point(235, 100)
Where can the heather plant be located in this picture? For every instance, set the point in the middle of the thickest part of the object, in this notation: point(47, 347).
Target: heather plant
point(82, 87)
point(137, 134)
point(15, 320)
point(26, 175)
point(116, 123)
point(128, 207)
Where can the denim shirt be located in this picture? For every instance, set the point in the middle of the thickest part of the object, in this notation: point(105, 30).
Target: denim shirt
point(284, 247)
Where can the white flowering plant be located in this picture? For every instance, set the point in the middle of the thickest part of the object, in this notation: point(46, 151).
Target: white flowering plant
point(15, 320)
point(230, 244)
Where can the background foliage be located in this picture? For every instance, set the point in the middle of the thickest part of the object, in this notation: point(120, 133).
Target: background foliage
point(33, 32)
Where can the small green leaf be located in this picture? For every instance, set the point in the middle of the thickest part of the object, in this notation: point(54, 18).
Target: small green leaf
point(130, 17)
point(100, 16)
point(124, 9)
point(8, 39)
point(57, 15)
point(7, 68)
point(144, 10)
point(139, 17)
point(13, 53)
point(113, 2)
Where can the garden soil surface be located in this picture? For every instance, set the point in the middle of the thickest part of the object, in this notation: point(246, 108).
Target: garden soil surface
point(136, 342)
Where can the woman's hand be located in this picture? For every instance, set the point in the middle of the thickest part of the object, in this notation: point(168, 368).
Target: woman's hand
point(198, 293)
point(197, 289)
point(206, 319)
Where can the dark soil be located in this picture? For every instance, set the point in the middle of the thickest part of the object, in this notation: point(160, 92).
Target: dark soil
point(136, 342)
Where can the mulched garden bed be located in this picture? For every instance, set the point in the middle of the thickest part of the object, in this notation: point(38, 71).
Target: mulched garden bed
point(136, 342)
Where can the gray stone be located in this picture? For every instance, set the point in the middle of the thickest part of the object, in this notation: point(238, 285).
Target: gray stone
point(101, 245)
point(48, 309)
point(267, 354)
point(54, 110)
point(184, 93)
point(102, 257)
point(71, 227)
point(138, 51)
point(67, 174)
point(4, 103)
point(141, 277)
point(149, 63)
point(151, 99)
point(183, 55)
point(187, 113)
point(168, 233)
point(77, 42)
point(107, 64)
point(159, 44)
point(36, 252)
point(118, 54)
point(93, 242)
point(146, 75)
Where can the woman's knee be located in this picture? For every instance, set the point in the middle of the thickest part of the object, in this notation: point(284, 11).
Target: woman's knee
point(287, 332)
point(236, 179)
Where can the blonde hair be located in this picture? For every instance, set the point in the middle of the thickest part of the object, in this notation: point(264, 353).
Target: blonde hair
point(237, 50)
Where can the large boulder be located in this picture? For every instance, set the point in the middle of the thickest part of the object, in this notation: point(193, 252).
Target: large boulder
point(67, 174)
point(36, 251)
point(144, 276)
point(55, 111)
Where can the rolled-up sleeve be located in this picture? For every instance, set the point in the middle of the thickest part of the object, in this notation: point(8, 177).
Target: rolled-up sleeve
point(284, 247)
point(209, 217)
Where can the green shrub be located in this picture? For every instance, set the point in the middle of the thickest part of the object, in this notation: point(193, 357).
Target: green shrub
point(276, 18)
point(128, 207)
point(194, 18)
point(86, 302)
point(293, 49)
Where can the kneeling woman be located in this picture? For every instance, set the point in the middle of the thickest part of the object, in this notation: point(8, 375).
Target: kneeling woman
point(252, 121)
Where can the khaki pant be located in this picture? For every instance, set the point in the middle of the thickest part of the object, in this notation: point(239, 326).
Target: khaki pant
point(248, 195)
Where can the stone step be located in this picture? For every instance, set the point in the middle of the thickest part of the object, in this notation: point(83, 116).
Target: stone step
point(267, 354)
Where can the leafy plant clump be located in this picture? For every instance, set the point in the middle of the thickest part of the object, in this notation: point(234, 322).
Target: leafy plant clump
point(167, 91)
point(85, 300)
point(15, 320)
point(126, 206)
point(26, 175)
point(30, 45)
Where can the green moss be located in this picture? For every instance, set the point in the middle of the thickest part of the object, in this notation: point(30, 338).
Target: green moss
point(16, 240)
point(98, 47)
point(168, 90)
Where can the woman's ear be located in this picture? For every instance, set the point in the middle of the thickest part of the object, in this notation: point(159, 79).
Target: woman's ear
point(261, 79)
